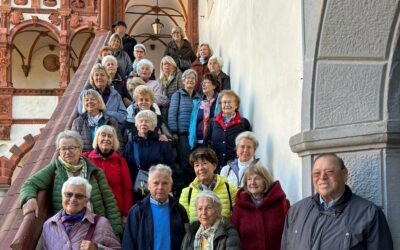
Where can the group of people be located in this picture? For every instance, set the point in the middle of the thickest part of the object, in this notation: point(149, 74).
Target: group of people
point(170, 163)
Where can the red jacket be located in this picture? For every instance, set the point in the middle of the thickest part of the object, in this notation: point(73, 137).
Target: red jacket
point(261, 227)
point(118, 177)
point(201, 69)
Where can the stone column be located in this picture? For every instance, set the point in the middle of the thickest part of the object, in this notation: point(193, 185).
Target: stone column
point(192, 25)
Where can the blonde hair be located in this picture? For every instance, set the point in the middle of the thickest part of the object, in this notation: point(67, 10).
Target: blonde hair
point(261, 171)
point(96, 68)
point(143, 90)
point(210, 50)
point(96, 95)
point(115, 36)
point(109, 130)
point(170, 60)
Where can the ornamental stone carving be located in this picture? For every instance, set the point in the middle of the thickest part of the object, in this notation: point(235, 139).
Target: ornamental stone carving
point(5, 131)
point(20, 2)
point(55, 19)
point(78, 4)
point(50, 3)
point(75, 20)
point(16, 17)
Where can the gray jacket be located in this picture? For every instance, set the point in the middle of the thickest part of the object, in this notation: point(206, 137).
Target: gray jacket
point(226, 237)
point(352, 223)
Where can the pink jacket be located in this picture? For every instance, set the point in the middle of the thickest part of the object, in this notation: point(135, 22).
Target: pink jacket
point(55, 237)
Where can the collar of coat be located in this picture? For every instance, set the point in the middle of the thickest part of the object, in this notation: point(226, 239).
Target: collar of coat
point(338, 207)
point(234, 121)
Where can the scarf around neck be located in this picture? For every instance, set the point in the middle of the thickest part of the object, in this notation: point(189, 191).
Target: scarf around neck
point(207, 104)
point(69, 221)
point(94, 121)
point(205, 234)
point(71, 169)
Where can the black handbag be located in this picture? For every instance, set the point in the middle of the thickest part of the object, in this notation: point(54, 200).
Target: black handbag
point(184, 64)
point(140, 185)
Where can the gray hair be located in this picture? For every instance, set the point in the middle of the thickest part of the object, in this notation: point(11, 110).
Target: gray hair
point(189, 72)
point(180, 30)
point(69, 134)
point(206, 194)
point(143, 62)
point(109, 58)
point(249, 136)
point(219, 60)
point(140, 46)
point(77, 181)
point(161, 168)
point(147, 114)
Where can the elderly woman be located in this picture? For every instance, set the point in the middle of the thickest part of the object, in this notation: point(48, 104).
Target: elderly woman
point(111, 64)
point(145, 149)
point(139, 52)
point(70, 226)
point(222, 131)
point(180, 49)
point(179, 113)
point(211, 231)
point(171, 81)
point(71, 163)
point(204, 162)
point(99, 81)
point(115, 42)
point(204, 109)
point(200, 65)
point(144, 100)
point(105, 156)
point(144, 68)
point(260, 210)
point(215, 64)
point(246, 146)
point(93, 116)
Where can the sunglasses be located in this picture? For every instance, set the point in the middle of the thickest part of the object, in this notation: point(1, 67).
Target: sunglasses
point(69, 195)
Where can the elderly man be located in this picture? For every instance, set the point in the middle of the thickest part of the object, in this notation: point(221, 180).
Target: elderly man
point(156, 222)
point(334, 218)
point(75, 226)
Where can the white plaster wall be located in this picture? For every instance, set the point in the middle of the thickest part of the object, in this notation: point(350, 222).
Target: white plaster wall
point(33, 107)
point(260, 42)
point(17, 133)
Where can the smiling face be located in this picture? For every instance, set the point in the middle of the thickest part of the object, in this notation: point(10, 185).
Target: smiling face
point(245, 150)
point(207, 87)
point(167, 68)
point(189, 83)
point(255, 185)
point(115, 44)
point(74, 198)
point(213, 66)
point(204, 51)
point(228, 105)
point(100, 79)
point(91, 105)
point(145, 72)
point(206, 212)
point(105, 142)
point(204, 171)
point(69, 151)
point(329, 178)
point(159, 185)
point(144, 101)
point(144, 125)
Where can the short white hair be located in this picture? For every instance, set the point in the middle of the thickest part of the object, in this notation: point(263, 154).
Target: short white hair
point(219, 60)
point(109, 58)
point(161, 168)
point(143, 62)
point(206, 194)
point(147, 114)
point(77, 181)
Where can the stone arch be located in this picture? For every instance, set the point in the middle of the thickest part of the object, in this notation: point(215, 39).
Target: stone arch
point(351, 93)
point(14, 31)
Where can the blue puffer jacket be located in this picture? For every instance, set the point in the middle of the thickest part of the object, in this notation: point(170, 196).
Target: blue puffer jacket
point(180, 110)
point(193, 120)
point(114, 106)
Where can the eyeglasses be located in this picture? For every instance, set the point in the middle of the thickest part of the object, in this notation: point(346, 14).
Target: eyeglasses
point(205, 209)
point(69, 149)
point(69, 195)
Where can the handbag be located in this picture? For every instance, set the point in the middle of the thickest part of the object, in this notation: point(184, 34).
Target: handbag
point(184, 64)
point(140, 186)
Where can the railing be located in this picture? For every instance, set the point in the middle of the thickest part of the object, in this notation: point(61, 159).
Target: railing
point(23, 232)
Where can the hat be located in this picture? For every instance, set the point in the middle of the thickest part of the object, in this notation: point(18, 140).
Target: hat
point(119, 23)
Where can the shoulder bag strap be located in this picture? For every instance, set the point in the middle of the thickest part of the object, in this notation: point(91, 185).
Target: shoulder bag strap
point(229, 195)
point(190, 195)
point(136, 154)
point(89, 234)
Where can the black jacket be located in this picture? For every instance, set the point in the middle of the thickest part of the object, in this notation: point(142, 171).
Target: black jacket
point(185, 52)
point(129, 44)
point(138, 231)
point(352, 223)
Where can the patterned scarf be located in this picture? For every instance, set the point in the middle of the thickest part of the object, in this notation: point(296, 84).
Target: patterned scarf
point(69, 221)
point(71, 169)
point(94, 121)
point(206, 104)
point(205, 236)
point(203, 187)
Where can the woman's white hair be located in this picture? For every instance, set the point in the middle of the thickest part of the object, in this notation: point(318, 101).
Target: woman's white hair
point(249, 136)
point(143, 62)
point(206, 194)
point(109, 58)
point(147, 114)
point(219, 60)
point(69, 134)
point(77, 181)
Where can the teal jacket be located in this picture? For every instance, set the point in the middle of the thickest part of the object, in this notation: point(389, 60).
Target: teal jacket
point(54, 175)
point(193, 120)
